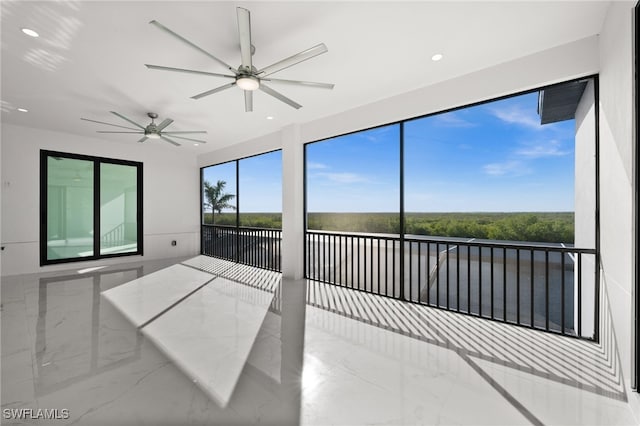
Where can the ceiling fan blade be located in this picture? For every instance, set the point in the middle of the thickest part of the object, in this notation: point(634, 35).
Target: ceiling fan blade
point(161, 68)
point(302, 83)
point(108, 124)
point(126, 119)
point(280, 96)
point(198, 48)
point(184, 132)
point(107, 131)
point(244, 32)
point(189, 139)
point(164, 124)
point(144, 138)
point(164, 138)
point(248, 101)
point(293, 60)
point(212, 91)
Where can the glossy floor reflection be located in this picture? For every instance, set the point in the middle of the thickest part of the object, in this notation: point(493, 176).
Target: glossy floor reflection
point(292, 352)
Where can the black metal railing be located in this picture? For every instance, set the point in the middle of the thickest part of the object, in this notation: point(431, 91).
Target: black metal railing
point(259, 247)
point(545, 287)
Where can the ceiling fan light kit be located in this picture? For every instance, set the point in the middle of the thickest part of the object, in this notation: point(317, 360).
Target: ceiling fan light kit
point(246, 76)
point(248, 82)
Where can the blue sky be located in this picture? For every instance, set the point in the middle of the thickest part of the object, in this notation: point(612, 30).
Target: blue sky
point(494, 157)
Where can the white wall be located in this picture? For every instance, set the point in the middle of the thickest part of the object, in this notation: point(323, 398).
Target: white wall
point(585, 203)
point(171, 196)
point(616, 178)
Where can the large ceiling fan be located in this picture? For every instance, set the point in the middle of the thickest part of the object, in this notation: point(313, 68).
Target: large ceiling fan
point(247, 77)
point(152, 130)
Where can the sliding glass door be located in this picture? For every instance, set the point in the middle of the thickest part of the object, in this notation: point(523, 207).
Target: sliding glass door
point(90, 207)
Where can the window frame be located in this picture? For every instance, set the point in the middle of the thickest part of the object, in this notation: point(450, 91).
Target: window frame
point(97, 161)
point(237, 186)
point(635, 365)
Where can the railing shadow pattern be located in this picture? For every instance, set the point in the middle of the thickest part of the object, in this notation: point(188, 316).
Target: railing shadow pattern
point(247, 275)
point(573, 362)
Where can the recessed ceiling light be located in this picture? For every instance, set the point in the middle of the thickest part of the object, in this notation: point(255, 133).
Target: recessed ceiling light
point(196, 144)
point(23, 110)
point(269, 118)
point(437, 57)
point(30, 32)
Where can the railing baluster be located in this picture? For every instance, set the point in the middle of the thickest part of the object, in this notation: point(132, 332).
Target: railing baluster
point(358, 261)
point(333, 237)
point(340, 259)
point(480, 281)
point(518, 286)
point(371, 264)
point(352, 263)
point(428, 273)
point(546, 288)
point(448, 270)
point(458, 278)
point(393, 266)
point(364, 264)
point(410, 270)
point(492, 281)
point(419, 273)
point(386, 266)
point(562, 295)
point(579, 267)
point(378, 282)
point(533, 324)
point(504, 284)
point(469, 279)
point(438, 274)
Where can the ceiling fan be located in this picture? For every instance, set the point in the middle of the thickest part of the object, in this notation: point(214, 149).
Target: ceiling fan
point(247, 77)
point(152, 130)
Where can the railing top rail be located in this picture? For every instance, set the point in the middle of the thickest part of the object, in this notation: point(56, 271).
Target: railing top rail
point(209, 225)
point(462, 242)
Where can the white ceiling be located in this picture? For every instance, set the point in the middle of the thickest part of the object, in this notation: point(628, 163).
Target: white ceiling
point(89, 57)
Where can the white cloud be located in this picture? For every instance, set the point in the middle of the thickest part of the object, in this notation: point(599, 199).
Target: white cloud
point(515, 114)
point(316, 166)
point(552, 148)
point(507, 168)
point(452, 119)
point(344, 177)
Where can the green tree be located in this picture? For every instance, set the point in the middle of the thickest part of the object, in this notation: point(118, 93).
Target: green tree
point(216, 199)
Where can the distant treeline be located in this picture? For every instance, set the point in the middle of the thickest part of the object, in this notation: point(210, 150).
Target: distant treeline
point(533, 227)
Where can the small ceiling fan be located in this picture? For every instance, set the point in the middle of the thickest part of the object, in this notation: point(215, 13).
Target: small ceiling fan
point(152, 130)
point(247, 77)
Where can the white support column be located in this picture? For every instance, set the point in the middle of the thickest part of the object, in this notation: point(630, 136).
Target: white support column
point(292, 203)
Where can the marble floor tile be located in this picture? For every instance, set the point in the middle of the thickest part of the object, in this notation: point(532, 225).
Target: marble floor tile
point(142, 299)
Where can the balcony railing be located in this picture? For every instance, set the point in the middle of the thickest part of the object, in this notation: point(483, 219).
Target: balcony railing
point(546, 287)
point(259, 247)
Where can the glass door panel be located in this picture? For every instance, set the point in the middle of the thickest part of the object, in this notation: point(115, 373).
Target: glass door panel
point(70, 208)
point(118, 209)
